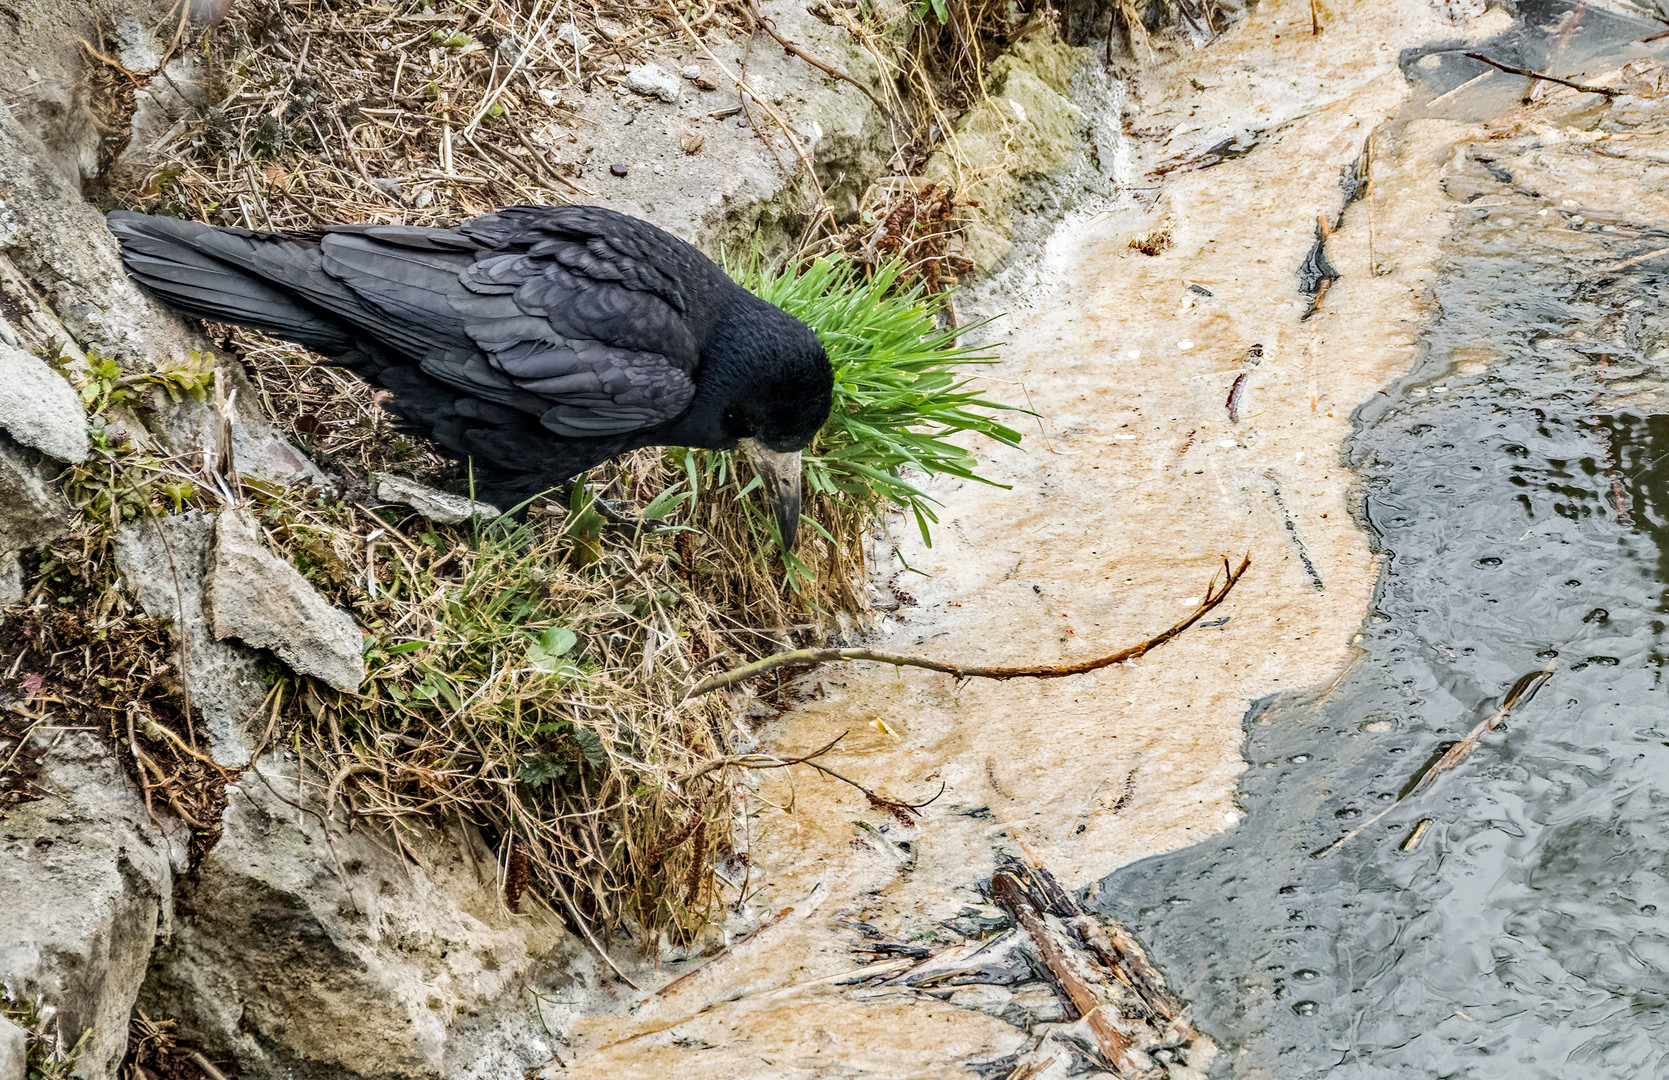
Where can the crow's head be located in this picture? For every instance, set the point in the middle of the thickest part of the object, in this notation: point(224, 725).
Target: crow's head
point(778, 390)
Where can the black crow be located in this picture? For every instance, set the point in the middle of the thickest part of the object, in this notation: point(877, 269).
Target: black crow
point(538, 341)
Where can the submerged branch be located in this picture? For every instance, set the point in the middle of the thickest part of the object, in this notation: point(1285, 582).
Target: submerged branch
point(1528, 74)
point(1214, 595)
point(1521, 692)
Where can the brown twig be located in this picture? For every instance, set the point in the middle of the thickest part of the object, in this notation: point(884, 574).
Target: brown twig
point(1214, 595)
point(769, 761)
point(1528, 74)
point(764, 22)
point(1521, 691)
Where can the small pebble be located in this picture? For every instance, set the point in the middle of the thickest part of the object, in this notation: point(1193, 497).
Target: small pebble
point(707, 82)
point(617, 170)
point(690, 72)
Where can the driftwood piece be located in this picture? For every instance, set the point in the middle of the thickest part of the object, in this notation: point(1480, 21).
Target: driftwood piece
point(1214, 594)
point(1100, 970)
point(1523, 690)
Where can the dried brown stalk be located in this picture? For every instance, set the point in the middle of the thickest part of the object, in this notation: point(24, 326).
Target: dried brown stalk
point(1214, 595)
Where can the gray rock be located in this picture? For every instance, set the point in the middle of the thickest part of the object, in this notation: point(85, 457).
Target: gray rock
point(652, 81)
point(14, 1051)
point(66, 259)
point(570, 35)
point(31, 512)
point(164, 562)
point(315, 954)
point(39, 408)
point(88, 886)
point(262, 600)
point(441, 506)
point(191, 427)
point(135, 44)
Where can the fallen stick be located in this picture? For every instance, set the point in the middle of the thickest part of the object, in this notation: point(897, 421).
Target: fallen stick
point(902, 810)
point(1528, 74)
point(1214, 595)
point(1521, 691)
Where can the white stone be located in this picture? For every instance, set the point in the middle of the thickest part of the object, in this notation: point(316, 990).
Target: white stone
point(39, 408)
point(652, 81)
point(14, 1051)
point(88, 885)
point(570, 35)
point(441, 506)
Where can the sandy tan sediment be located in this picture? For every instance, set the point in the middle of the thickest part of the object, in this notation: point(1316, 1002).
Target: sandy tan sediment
point(1116, 520)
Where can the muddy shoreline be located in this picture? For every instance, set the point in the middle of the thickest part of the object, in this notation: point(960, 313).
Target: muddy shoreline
point(1139, 484)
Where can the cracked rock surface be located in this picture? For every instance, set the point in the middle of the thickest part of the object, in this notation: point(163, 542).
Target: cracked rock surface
point(263, 601)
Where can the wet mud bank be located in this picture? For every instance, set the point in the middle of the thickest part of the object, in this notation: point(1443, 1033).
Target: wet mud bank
point(1506, 921)
point(1195, 389)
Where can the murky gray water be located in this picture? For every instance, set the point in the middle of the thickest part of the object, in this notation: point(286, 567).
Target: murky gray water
point(1518, 483)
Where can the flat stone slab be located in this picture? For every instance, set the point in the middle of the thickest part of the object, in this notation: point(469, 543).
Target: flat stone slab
point(39, 408)
point(263, 601)
point(441, 506)
point(164, 562)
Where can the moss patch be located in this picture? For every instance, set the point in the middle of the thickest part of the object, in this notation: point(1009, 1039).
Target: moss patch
point(1024, 129)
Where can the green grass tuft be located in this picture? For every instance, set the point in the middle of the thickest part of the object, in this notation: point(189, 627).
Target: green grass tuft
point(904, 389)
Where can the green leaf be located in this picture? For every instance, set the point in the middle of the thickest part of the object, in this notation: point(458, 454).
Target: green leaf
point(591, 745)
point(540, 769)
point(666, 503)
point(546, 652)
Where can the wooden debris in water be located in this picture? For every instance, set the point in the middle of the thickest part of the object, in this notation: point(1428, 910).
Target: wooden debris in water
point(1100, 969)
point(1521, 691)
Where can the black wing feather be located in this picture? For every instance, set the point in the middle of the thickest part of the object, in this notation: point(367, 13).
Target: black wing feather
point(586, 319)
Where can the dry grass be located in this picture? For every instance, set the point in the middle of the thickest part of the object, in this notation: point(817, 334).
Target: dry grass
point(321, 111)
point(45, 1053)
point(83, 656)
point(527, 679)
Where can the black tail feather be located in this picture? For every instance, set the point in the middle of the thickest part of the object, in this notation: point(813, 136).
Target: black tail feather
point(181, 262)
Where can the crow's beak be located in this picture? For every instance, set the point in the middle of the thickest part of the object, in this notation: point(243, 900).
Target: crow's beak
point(780, 473)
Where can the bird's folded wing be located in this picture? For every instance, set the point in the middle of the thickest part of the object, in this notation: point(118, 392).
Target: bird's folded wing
point(601, 245)
point(582, 349)
point(608, 359)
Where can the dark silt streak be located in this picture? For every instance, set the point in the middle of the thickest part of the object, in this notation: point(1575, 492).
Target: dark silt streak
point(1518, 484)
